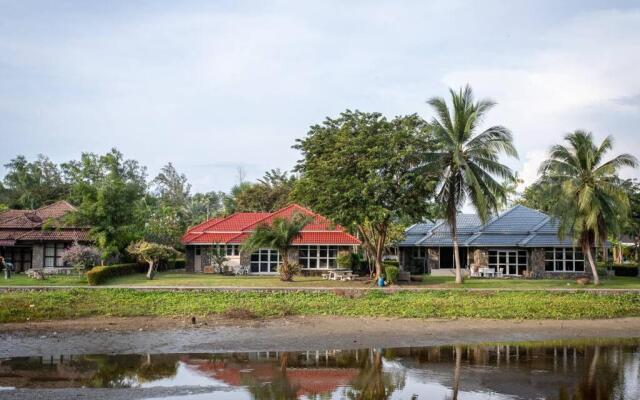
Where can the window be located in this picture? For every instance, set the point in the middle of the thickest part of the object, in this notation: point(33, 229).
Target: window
point(509, 262)
point(232, 250)
point(53, 254)
point(318, 257)
point(563, 259)
point(197, 250)
point(418, 252)
point(265, 260)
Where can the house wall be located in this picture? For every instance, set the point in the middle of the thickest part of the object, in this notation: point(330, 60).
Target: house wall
point(37, 256)
point(536, 265)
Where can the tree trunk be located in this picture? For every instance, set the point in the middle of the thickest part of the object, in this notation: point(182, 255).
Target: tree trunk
point(456, 372)
point(456, 257)
point(379, 251)
point(285, 273)
point(587, 250)
point(151, 271)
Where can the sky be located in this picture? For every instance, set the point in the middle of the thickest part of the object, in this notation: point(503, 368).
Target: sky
point(214, 87)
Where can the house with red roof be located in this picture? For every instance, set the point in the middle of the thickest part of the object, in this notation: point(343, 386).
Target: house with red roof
point(316, 249)
point(37, 238)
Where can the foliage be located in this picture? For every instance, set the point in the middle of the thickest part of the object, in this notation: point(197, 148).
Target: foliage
point(108, 191)
point(345, 260)
point(29, 185)
point(631, 225)
point(171, 186)
point(202, 206)
point(269, 194)
point(20, 306)
point(391, 273)
point(467, 161)
point(81, 257)
point(359, 170)
point(164, 224)
point(151, 253)
point(279, 235)
point(101, 274)
point(589, 197)
point(539, 196)
point(218, 258)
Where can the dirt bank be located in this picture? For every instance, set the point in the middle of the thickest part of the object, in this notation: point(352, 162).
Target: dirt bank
point(157, 335)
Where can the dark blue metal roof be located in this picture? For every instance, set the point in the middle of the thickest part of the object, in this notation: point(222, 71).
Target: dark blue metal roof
point(519, 226)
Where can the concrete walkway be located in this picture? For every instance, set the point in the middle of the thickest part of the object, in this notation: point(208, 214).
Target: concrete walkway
point(270, 289)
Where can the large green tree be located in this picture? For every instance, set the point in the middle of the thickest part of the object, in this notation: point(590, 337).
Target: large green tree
point(359, 169)
point(632, 222)
point(270, 193)
point(589, 195)
point(171, 187)
point(109, 193)
point(539, 196)
point(32, 184)
point(467, 161)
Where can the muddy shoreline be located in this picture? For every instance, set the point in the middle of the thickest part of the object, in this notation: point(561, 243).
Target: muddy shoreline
point(168, 335)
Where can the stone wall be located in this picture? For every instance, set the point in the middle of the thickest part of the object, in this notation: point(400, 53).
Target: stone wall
point(37, 256)
point(481, 257)
point(433, 258)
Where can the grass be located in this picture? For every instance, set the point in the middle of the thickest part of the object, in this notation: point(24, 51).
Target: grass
point(178, 278)
point(19, 306)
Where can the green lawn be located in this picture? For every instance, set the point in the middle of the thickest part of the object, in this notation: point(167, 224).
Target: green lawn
point(176, 278)
point(20, 306)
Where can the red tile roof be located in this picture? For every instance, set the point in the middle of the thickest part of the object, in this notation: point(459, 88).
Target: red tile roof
point(237, 227)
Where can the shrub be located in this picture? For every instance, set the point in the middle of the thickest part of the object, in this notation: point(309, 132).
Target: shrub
point(392, 263)
point(179, 264)
point(625, 270)
point(81, 257)
point(101, 274)
point(345, 260)
point(391, 273)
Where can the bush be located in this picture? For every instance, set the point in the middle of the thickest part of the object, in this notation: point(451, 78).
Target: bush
point(391, 273)
point(101, 274)
point(81, 257)
point(179, 264)
point(392, 263)
point(625, 270)
point(345, 260)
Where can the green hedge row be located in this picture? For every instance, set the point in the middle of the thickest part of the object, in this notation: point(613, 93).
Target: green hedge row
point(625, 270)
point(101, 274)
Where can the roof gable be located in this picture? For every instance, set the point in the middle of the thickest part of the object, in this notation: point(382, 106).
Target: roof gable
point(237, 227)
point(518, 219)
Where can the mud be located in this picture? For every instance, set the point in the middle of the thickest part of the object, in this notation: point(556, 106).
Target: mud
point(165, 335)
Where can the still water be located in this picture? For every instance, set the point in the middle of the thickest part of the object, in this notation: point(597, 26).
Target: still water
point(557, 370)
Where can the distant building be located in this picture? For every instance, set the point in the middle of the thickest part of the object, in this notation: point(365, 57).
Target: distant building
point(316, 250)
point(520, 241)
point(37, 238)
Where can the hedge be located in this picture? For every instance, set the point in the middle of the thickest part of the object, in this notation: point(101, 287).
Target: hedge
point(391, 273)
point(625, 270)
point(101, 274)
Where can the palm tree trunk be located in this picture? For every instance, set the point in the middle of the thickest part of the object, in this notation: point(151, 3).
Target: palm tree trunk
point(587, 250)
point(456, 257)
point(285, 274)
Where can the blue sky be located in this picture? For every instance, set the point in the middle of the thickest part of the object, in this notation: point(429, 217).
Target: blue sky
point(213, 86)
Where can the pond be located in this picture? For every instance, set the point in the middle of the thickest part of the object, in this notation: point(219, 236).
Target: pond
point(537, 370)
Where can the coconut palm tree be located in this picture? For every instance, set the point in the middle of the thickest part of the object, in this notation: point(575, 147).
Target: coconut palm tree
point(590, 196)
point(467, 160)
point(279, 235)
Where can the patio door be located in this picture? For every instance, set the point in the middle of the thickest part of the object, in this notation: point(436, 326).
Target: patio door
point(509, 262)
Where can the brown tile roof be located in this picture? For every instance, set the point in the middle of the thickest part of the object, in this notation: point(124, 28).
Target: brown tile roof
point(27, 224)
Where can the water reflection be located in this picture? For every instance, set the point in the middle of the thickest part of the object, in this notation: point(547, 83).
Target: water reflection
point(550, 371)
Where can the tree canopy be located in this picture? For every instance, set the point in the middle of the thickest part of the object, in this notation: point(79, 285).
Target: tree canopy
point(589, 196)
point(466, 161)
point(359, 169)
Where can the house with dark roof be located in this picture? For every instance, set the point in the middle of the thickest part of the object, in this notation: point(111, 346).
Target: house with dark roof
point(519, 241)
point(316, 249)
point(37, 238)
